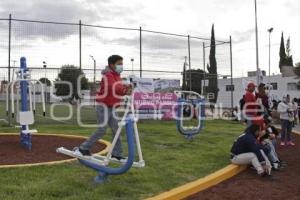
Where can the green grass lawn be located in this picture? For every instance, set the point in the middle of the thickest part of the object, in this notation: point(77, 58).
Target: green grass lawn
point(171, 161)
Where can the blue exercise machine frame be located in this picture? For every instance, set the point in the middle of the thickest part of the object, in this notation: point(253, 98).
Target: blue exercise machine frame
point(199, 104)
point(100, 163)
point(24, 116)
point(25, 138)
point(104, 171)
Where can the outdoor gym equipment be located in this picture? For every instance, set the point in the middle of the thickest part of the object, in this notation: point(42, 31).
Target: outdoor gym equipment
point(195, 101)
point(25, 115)
point(100, 163)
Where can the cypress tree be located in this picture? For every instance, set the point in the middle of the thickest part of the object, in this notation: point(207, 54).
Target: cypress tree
point(282, 54)
point(212, 68)
point(289, 57)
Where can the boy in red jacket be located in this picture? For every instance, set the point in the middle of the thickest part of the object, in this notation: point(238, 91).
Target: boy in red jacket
point(108, 98)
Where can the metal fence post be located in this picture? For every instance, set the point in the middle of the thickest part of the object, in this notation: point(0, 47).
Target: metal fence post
point(80, 26)
point(9, 67)
point(204, 75)
point(9, 46)
point(231, 73)
point(190, 67)
point(141, 66)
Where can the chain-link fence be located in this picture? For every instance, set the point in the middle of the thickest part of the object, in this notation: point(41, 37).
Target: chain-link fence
point(147, 53)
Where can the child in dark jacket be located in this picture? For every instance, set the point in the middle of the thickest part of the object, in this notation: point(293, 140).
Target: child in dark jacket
point(108, 99)
point(246, 150)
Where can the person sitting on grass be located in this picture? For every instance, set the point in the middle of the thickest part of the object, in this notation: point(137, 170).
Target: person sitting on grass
point(267, 138)
point(108, 98)
point(246, 150)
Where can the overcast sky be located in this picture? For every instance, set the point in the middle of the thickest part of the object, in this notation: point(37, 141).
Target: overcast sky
point(194, 17)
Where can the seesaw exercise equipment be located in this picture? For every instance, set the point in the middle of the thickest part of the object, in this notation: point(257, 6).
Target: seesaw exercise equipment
point(26, 89)
point(101, 163)
point(192, 100)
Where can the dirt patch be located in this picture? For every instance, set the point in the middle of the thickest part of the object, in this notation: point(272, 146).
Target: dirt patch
point(284, 184)
point(43, 149)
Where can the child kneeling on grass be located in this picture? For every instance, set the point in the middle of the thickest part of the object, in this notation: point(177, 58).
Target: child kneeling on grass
point(108, 99)
point(268, 139)
point(246, 150)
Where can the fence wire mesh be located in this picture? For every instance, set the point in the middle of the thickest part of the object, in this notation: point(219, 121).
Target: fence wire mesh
point(148, 53)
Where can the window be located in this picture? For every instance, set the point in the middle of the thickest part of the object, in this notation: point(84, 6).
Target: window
point(292, 86)
point(229, 88)
point(274, 86)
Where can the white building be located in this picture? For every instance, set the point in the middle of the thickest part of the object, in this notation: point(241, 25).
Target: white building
point(281, 86)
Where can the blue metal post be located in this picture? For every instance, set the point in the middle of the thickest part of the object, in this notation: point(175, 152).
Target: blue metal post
point(25, 138)
point(104, 171)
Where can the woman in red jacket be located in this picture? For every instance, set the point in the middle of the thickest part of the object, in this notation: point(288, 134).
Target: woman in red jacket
point(250, 107)
point(108, 98)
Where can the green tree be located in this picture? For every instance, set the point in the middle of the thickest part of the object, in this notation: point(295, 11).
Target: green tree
point(197, 77)
point(70, 73)
point(297, 69)
point(289, 61)
point(45, 80)
point(212, 69)
point(282, 54)
point(4, 82)
point(289, 57)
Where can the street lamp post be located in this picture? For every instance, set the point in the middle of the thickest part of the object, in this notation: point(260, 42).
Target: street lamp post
point(14, 67)
point(132, 60)
point(256, 36)
point(270, 30)
point(45, 67)
point(45, 79)
point(94, 87)
point(94, 60)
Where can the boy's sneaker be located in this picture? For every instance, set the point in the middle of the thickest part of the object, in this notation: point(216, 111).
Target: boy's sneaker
point(81, 152)
point(290, 143)
point(282, 144)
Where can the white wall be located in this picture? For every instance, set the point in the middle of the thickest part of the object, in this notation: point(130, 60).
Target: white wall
point(240, 84)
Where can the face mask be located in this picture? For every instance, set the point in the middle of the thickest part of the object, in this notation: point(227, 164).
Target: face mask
point(119, 69)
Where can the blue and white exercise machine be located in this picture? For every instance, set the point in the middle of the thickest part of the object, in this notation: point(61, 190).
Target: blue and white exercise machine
point(101, 163)
point(26, 91)
point(196, 104)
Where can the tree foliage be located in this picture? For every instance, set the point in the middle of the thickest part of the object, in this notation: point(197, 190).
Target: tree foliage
point(284, 53)
point(197, 77)
point(45, 81)
point(212, 69)
point(297, 69)
point(71, 74)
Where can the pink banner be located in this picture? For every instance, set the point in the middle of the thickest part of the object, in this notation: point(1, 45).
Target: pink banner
point(155, 105)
